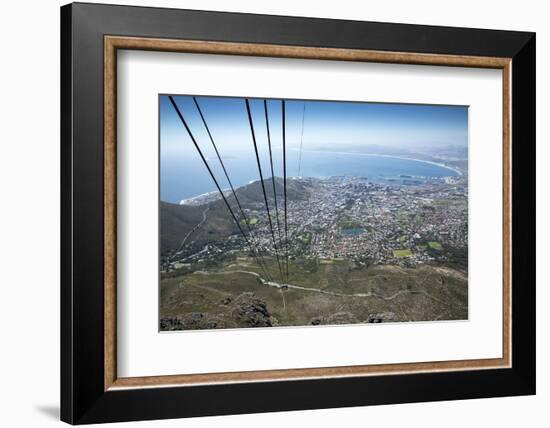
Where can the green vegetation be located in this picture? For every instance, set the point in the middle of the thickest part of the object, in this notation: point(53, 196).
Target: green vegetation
point(218, 297)
point(434, 245)
point(402, 253)
point(306, 238)
point(251, 221)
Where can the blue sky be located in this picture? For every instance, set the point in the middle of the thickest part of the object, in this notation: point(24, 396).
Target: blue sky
point(327, 124)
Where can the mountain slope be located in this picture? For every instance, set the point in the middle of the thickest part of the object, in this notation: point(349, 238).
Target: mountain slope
point(214, 220)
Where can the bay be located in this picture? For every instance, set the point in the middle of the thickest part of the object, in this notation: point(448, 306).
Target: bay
point(183, 178)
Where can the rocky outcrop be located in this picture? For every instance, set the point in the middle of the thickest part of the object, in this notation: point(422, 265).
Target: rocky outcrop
point(171, 323)
point(254, 313)
point(245, 311)
point(382, 317)
point(193, 320)
point(338, 318)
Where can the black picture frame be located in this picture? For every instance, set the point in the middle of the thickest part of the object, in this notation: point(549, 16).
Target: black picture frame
point(83, 398)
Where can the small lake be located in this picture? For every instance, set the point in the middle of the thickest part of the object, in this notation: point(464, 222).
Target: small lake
point(352, 231)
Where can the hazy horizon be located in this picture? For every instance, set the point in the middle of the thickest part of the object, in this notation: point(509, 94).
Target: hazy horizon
point(350, 124)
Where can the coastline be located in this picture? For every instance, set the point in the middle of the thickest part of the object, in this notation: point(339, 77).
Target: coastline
point(202, 195)
point(213, 192)
point(451, 168)
point(193, 199)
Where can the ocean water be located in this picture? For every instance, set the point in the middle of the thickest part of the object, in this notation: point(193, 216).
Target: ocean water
point(183, 178)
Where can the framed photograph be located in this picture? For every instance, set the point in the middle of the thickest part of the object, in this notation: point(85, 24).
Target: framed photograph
point(265, 213)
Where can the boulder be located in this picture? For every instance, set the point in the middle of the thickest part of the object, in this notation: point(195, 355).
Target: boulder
point(382, 317)
point(254, 313)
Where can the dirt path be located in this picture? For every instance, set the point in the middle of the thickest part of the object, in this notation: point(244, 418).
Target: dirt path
point(317, 290)
point(197, 226)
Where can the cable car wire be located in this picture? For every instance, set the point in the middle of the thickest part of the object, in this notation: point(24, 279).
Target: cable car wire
point(186, 126)
point(284, 181)
point(301, 141)
point(245, 218)
point(247, 103)
point(272, 172)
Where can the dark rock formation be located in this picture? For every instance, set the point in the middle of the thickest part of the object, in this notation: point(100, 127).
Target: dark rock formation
point(254, 313)
point(382, 317)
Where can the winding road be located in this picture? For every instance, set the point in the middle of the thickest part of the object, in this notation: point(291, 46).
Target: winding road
point(198, 225)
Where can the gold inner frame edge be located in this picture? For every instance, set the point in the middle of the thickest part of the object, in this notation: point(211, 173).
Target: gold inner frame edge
point(113, 43)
